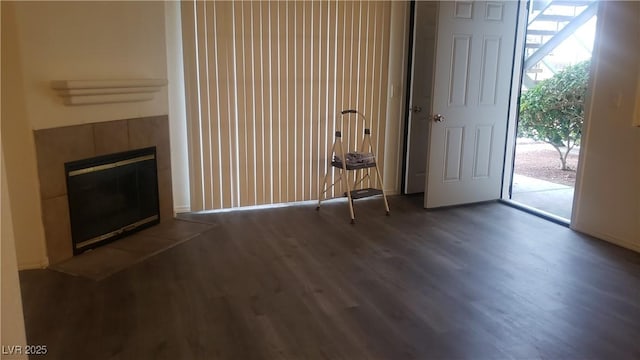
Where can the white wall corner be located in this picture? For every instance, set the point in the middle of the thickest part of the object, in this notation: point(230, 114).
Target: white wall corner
point(177, 108)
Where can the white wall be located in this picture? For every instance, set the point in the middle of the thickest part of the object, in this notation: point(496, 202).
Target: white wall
point(11, 316)
point(19, 149)
point(86, 41)
point(45, 41)
point(12, 330)
point(608, 189)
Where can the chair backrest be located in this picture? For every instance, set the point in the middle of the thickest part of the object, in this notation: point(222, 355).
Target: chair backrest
point(353, 127)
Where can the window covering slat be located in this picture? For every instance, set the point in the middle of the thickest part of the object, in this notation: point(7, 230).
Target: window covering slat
point(264, 83)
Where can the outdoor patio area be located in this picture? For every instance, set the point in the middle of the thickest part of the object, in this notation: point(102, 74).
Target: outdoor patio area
point(546, 196)
point(538, 181)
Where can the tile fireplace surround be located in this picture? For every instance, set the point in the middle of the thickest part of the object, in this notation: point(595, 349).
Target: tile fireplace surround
point(56, 146)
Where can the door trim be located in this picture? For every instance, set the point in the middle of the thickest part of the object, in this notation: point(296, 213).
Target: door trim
point(405, 134)
point(514, 98)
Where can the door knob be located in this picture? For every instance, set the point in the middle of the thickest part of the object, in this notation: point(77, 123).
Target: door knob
point(416, 109)
point(438, 118)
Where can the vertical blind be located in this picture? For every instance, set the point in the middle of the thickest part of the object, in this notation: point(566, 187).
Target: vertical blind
point(264, 82)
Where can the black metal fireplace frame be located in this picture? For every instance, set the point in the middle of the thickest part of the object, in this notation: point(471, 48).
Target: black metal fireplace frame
point(105, 163)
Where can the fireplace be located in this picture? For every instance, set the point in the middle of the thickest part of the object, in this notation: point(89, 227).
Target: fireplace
point(111, 196)
point(57, 146)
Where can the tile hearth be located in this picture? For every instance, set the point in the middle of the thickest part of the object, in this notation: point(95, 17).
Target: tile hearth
point(121, 254)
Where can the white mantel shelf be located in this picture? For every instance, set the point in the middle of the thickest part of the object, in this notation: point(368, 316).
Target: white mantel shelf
point(84, 92)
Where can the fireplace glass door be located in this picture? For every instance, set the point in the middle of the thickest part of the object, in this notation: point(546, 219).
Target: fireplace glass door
point(111, 196)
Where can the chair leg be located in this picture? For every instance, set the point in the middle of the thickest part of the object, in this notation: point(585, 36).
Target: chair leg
point(323, 190)
point(345, 180)
point(384, 196)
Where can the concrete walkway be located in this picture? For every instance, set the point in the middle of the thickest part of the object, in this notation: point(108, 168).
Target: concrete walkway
point(553, 198)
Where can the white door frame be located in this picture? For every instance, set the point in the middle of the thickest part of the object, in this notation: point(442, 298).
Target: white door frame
point(514, 104)
point(418, 115)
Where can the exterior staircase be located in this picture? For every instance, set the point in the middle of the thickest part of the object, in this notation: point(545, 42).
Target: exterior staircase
point(550, 23)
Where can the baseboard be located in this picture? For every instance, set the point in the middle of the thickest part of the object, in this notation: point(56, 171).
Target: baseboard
point(608, 238)
point(33, 265)
point(182, 209)
point(390, 192)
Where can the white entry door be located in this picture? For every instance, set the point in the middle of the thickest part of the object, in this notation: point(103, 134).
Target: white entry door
point(473, 74)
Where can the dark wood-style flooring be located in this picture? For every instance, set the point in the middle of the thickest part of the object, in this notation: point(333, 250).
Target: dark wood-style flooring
point(477, 282)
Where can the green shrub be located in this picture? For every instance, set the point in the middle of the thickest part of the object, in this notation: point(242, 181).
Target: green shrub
point(553, 110)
